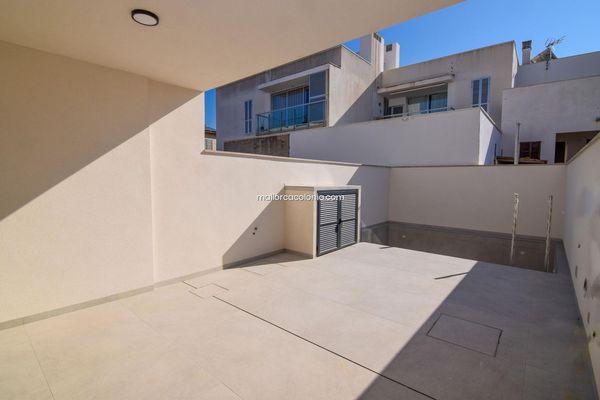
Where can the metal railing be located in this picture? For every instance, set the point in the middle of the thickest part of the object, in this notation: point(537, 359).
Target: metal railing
point(302, 116)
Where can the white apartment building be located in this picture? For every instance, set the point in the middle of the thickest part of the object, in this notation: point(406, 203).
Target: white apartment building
point(555, 106)
point(329, 88)
point(486, 89)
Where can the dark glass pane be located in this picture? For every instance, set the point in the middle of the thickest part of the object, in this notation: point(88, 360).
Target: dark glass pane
point(475, 92)
point(439, 102)
point(418, 105)
point(485, 86)
point(318, 85)
point(278, 101)
point(316, 111)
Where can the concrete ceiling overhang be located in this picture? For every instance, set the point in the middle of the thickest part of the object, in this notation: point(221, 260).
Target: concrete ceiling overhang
point(198, 44)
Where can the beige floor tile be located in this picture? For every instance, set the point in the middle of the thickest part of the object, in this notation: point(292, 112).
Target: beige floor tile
point(259, 361)
point(20, 375)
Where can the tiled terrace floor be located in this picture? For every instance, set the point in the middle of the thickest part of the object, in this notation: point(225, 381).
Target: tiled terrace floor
point(366, 322)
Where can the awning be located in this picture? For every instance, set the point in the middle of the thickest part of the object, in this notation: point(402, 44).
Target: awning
point(421, 84)
point(291, 81)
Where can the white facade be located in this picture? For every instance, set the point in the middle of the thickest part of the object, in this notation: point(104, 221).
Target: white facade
point(554, 102)
point(350, 81)
point(462, 137)
point(454, 75)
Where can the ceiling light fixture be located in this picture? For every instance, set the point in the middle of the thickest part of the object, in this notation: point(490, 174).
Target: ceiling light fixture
point(144, 17)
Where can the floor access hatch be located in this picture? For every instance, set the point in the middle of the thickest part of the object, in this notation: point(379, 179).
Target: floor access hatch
point(337, 219)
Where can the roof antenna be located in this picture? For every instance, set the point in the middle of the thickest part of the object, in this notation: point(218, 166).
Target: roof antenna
point(550, 43)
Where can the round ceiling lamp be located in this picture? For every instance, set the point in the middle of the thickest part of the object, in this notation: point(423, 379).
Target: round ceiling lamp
point(144, 17)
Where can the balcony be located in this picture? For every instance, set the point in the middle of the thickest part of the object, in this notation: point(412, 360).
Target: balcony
point(302, 116)
point(411, 113)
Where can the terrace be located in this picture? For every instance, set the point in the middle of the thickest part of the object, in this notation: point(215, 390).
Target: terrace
point(135, 263)
point(365, 322)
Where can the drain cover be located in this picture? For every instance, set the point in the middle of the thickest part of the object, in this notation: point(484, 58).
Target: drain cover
point(208, 290)
point(467, 334)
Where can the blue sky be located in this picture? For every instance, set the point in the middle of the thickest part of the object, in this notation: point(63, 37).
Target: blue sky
point(478, 23)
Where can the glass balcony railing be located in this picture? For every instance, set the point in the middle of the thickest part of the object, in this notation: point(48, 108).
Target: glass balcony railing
point(302, 116)
point(418, 112)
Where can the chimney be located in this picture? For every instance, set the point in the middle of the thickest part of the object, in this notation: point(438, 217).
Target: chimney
point(391, 59)
point(526, 52)
point(365, 47)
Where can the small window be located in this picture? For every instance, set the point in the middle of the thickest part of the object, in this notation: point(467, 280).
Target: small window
point(530, 150)
point(388, 47)
point(481, 93)
point(248, 116)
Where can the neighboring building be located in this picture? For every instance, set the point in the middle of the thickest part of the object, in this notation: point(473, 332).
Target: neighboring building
point(357, 90)
point(463, 80)
point(333, 87)
point(210, 138)
point(556, 102)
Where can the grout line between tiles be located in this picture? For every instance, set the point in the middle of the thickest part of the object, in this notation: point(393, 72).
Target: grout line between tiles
point(326, 349)
point(38, 361)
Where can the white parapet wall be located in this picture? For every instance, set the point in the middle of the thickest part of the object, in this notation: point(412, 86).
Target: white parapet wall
point(582, 240)
point(460, 137)
point(479, 197)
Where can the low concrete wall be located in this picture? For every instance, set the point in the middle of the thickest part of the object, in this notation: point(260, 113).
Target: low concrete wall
point(205, 207)
point(582, 240)
point(446, 138)
point(478, 197)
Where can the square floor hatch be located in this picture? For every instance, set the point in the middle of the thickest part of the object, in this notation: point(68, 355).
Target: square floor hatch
point(468, 334)
point(207, 291)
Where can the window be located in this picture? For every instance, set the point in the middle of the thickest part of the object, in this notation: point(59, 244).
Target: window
point(396, 110)
point(248, 116)
point(481, 91)
point(530, 150)
point(317, 96)
point(428, 104)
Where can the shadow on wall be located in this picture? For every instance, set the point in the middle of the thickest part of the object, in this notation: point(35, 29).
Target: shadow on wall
point(361, 110)
point(58, 115)
point(265, 234)
point(375, 183)
point(494, 336)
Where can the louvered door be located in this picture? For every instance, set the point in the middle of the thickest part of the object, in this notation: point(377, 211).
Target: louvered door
point(336, 220)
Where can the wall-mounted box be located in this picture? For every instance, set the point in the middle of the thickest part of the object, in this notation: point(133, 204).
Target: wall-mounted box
point(321, 219)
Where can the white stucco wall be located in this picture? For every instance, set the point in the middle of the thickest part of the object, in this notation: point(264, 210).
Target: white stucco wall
point(479, 197)
point(446, 138)
point(582, 239)
point(564, 68)
point(75, 206)
point(205, 206)
point(107, 191)
point(490, 140)
point(352, 88)
point(547, 109)
point(499, 62)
